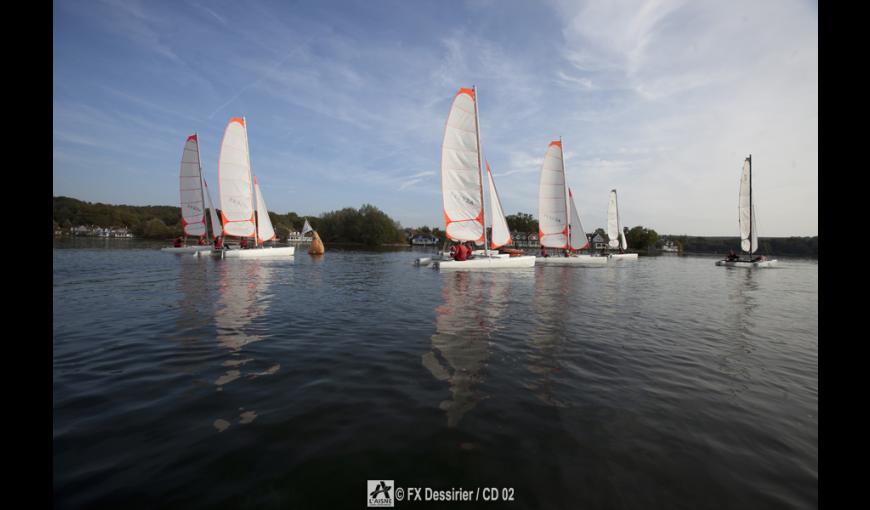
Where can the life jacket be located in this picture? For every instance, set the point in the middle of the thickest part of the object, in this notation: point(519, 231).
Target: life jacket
point(462, 252)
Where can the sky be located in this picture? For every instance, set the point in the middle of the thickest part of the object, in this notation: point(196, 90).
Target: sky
point(346, 102)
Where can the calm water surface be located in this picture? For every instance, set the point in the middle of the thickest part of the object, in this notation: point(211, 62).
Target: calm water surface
point(190, 382)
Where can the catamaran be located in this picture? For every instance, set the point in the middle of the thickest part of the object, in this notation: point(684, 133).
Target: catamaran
point(558, 220)
point(615, 231)
point(746, 219)
point(194, 193)
point(243, 210)
point(462, 192)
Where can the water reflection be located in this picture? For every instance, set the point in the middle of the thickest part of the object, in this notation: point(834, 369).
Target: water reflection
point(551, 302)
point(737, 354)
point(243, 296)
point(194, 304)
point(472, 304)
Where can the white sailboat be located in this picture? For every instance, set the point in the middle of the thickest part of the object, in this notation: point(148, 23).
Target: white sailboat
point(462, 192)
point(243, 209)
point(191, 185)
point(615, 231)
point(559, 224)
point(746, 219)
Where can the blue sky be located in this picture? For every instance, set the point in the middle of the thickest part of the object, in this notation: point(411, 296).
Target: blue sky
point(346, 102)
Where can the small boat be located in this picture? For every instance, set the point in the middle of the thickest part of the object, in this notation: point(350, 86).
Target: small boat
point(194, 193)
point(559, 223)
point(462, 192)
point(746, 220)
point(243, 210)
point(615, 231)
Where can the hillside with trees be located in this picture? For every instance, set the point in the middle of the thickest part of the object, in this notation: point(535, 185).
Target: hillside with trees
point(367, 225)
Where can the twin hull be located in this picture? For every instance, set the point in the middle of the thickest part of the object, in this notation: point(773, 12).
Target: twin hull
point(741, 263)
point(493, 262)
point(577, 260)
point(186, 249)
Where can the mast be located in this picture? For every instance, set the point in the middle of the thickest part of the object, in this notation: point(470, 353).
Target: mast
point(750, 206)
point(565, 192)
point(253, 187)
point(201, 190)
point(479, 167)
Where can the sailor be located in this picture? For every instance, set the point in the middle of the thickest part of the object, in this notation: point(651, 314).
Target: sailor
point(218, 243)
point(544, 251)
point(243, 243)
point(178, 242)
point(201, 241)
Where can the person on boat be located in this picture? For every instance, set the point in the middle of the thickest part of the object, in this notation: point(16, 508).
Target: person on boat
point(243, 244)
point(731, 256)
point(544, 251)
point(218, 243)
point(178, 242)
point(462, 253)
point(567, 254)
point(201, 241)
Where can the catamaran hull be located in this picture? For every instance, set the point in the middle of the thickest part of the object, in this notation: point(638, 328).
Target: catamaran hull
point(740, 263)
point(623, 256)
point(186, 249)
point(494, 262)
point(257, 253)
point(578, 260)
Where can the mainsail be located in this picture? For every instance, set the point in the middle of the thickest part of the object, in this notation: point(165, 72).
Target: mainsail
point(578, 236)
point(746, 209)
point(461, 186)
point(192, 207)
point(235, 181)
point(265, 232)
point(501, 234)
point(552, 203)
point(307, 227)
point(614, 227)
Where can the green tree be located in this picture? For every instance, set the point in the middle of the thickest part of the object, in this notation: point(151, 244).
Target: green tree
point(522, 222)
point(640, 238)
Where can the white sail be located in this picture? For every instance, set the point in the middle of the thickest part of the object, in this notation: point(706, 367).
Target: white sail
point(216, 229)
point(307, 227)
point(265, 231)
point(501, 234)
point(552, 202)
point(235, 181)
point(192, 207)
point(460, 171)
point(613, 227)
point(746, 210)
point(578, 236)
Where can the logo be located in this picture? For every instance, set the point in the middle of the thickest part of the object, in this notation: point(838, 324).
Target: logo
point(380, 493)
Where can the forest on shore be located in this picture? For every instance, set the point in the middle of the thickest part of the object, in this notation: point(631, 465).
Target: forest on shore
point(366, 225)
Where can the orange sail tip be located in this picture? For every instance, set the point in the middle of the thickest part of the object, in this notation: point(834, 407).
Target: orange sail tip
point(238, 119)
point(555, 142)
point(470, 92)
point(191, 137)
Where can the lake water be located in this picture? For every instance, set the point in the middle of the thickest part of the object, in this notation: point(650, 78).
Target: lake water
point(667, 382)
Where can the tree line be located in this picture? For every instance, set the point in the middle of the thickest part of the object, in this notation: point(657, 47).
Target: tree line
point(793, 246)
point(367, 225)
